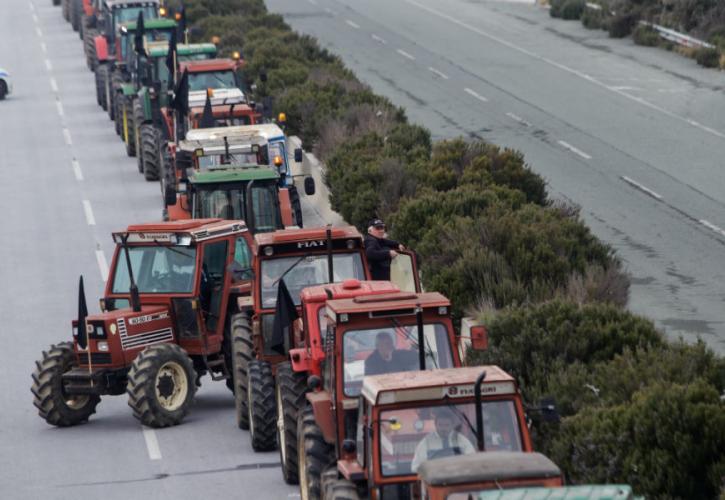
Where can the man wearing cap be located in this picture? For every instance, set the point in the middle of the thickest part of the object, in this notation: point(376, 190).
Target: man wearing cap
point(379, 250)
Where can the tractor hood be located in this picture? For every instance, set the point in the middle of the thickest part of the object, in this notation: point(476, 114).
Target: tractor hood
point(151, 325)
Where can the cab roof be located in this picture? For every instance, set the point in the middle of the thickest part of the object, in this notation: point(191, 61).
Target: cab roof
point(585, 492)
point(283, 236)
point(390, 302)
point(208, 65)
point(346, 289)
point(234, 173)
point(171, 232)
point(266, 131)
point(487, 466)
point(161, 49)
point(435, 385)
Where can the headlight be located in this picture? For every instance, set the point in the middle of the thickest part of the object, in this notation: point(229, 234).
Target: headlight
point(102, 346)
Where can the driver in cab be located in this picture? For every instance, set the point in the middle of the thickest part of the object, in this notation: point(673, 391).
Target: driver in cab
point(444, 441)
point(386, 358)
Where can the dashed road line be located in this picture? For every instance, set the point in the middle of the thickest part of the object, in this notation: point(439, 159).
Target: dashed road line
point(102, 264)
point(38, 32)
point(35, 18)
point(152, 444)
point(574, 150)
point(712, 227)
point(53, 85)
point(67, 137)
point(518, 119)
point(405, 54)
point(77, 170)
point(475, 94)
point(48, 65)
point(436, 72)
point(642, 188)
point(352, 24)
point(90, 219)
point(59, 105)
point(378, 39)
point(43, 47)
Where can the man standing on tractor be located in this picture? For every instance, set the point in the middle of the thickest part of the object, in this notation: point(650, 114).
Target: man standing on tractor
point(379, 250)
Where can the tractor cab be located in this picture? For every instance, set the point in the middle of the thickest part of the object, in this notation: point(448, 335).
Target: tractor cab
point(458, 476)
point(113, 14)
point(406, 419)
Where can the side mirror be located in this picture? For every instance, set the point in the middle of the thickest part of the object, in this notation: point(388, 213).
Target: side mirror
point(309, 186)
point(169, 195)
point(479, 338)
point(298, 155)
point(549, 412)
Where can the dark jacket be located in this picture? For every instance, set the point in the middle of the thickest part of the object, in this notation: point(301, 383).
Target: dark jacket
point(402, 361)
point(377, 251)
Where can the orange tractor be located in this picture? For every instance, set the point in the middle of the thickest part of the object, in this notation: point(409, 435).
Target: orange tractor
point(168, 313)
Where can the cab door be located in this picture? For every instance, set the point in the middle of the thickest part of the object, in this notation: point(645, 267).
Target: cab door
point(404, 271)
point(213, 280)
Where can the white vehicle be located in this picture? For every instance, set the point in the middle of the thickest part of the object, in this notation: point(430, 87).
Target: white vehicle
point(6, 86)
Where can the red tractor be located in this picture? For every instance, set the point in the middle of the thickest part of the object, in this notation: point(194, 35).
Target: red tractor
point(170, 310)
point(407, 422)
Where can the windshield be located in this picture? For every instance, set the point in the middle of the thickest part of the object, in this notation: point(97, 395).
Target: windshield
point(156, 269)
point(212, 80)
point(374, 351)
point(130, 14)
point(308, 271)
point(410, 436)
point(229, 202)
point(234, 159)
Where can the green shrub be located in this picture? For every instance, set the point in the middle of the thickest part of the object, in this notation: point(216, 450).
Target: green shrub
point(593, 19)
point(708, 57)
point(622, 25)
point(573, 9)
point(668, 442)
point(644, 35)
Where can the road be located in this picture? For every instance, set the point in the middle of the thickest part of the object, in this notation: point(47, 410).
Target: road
point(66, 184)
point(633, 135)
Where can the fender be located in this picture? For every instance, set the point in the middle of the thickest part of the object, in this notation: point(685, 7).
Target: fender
point(321, 403)
point(285, 207)
point(101, 47)
point(128, 90)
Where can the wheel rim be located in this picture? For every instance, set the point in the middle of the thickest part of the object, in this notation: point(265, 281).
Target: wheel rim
point(171, 386)
point(281, 435)
point(75, 402)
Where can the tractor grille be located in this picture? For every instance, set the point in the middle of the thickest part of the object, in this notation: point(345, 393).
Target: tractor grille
point(97, 358)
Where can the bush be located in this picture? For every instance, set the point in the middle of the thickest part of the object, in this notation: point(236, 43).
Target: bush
point(573, 9)
point(669, 442)
point(710, 58)
point(593, 19)
point(644, 35)
point(622, 25)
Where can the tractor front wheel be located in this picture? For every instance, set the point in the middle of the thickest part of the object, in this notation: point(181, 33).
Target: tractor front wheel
point(138, 118)
point(101, 83)
point(54, 405)
point(314, 455)
point(89, 47)
point(341, 489)
point(242, 355)
point(261, 406)
point(161, 385)
point(118, 114)
point(128, 126)
point(295, 205)
point(76, 9)
point(291, 388)
point(150, 152)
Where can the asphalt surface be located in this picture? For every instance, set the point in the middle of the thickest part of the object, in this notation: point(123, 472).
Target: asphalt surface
point(633, 135)
point(66, 185)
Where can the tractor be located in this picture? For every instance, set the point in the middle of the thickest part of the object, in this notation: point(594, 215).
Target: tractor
point(244, 169)
point(407, 419)
point(169, 312)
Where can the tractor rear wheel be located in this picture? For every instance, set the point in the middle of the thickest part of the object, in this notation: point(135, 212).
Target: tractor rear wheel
point(290, 390)
point(161, 385)
point(242, 355)
point(138, 118)
point(118, 114)
point(341, 489)
point(76, 9)
point(260, 401)
point(101, 83)
point(329, 476)
point(296, 205)
point(150, 152)
point(114, 82)
point(65, 9)
point(314, 455)
point(89, 47)
point(54, 405)
point(128, 126)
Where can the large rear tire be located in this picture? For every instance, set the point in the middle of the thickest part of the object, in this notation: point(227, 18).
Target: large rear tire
point(242, 355)
point(341, 489)
point(50, 398)
point(89, 47)
point(314, 455)
point(138, 118)
point(76, 10)
point(261, 406)
point(118, 114)
point(161, 385)
point(150, 152)
point(167, 175)
point(101, 83)
point(290, 390)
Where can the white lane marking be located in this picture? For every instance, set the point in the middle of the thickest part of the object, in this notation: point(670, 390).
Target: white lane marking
point(77, 170)
point(53, 84)
point(32, 7)
point(67, 137)
point(378, 39)
point(102, 264)
point(436, 72)
point(38, 32)
point(405, 54)
point(35, 18)
point(48, 65)
point(43, 47)
point(518, 119)
point(712, 227)
point(642, 188)
point(59, 105)
point(330, 11)
point(475, 94)
point(313, 2)
point(152, 444)
point(562, 67)
point(353, 24)
point(89, 213)
point(574, 150)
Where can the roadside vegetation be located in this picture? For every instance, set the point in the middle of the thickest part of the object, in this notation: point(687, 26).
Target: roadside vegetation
point(636, 408)
point(702, 19)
